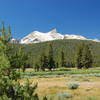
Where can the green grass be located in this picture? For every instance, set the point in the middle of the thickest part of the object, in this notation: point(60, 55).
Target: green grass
point(55, 73)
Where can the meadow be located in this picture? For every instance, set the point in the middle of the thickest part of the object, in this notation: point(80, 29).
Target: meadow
point(55, 84)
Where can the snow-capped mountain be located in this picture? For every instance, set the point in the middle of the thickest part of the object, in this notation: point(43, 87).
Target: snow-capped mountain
point(36, 37)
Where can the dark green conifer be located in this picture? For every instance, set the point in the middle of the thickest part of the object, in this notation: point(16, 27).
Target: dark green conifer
point(51, 64)
point(87, 59)
point(78, 57)
point(63, 60)
point(84, 57)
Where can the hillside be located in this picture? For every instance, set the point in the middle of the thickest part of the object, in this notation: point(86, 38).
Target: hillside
point(68, 46)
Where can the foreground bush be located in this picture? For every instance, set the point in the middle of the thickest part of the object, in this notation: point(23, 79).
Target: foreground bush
point(73, 85)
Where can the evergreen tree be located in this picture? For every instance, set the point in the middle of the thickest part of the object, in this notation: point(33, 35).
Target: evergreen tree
point(4, 62)
point(44, 62)
point(57, 65)
point(3, 33)
point(9, 33)
point(25, 62)
point(84, 57)
point(10, 89)
point(63, 61)
point(19, 59)
point(51, 63)
point(5, 36)
point(78, 57)
point(87, 59)
point(37, 67)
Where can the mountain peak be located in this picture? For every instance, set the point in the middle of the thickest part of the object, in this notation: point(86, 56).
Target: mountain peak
point(53, 31)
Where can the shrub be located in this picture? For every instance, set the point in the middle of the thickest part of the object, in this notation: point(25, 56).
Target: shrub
point(73, 85)
point(64, 95)
point(45, 98)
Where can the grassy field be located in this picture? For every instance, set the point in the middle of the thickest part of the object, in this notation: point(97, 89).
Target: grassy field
point(52, 84)
point(61, 72)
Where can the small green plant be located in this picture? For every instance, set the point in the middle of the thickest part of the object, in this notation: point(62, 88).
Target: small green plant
point(73, 85)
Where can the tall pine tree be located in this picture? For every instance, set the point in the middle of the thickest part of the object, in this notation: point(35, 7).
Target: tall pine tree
point(5, 36)
point(83, 57)
point(44, 62)
point(63, 60)
point(87, 59)
point(78, 57)
point(9, 33)
point(51, 58)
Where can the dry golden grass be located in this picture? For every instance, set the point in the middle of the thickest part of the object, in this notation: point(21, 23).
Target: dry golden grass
point(89, 86)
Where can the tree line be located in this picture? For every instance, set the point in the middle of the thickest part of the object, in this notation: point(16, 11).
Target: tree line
point(82, 59)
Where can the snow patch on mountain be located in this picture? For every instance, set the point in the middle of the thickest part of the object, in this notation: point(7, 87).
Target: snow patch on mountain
point(74, 37)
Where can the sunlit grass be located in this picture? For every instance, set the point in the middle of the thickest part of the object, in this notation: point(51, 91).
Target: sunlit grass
point(52, 83)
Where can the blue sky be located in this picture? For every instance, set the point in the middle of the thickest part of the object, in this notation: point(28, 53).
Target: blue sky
point(67, 16)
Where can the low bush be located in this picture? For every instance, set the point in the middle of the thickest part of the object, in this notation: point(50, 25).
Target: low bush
point(62, 96)
point(73, 85)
